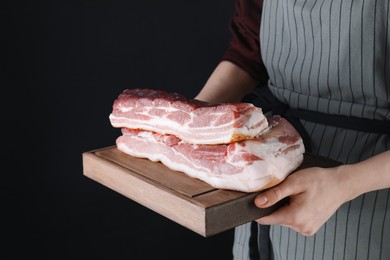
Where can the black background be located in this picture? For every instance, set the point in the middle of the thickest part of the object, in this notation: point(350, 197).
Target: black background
point(62, 65)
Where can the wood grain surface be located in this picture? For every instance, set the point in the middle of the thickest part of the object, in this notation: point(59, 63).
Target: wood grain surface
point(187, 201)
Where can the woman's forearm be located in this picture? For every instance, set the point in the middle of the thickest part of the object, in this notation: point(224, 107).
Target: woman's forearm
point(228, 83)
point(369, 175)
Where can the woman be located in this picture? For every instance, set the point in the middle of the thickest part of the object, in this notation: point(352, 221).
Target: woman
point(328, 63)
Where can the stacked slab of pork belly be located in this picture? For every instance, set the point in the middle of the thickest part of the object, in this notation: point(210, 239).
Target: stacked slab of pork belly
point(229, 146)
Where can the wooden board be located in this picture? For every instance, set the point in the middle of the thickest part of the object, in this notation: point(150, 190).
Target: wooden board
point(189, 202)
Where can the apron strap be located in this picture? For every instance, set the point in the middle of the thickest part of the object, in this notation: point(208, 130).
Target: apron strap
point(259, 242)
point(263, 97)
point(353, 123)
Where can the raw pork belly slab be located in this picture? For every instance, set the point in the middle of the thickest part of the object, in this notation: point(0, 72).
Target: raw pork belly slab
point(193, 121)
point(246, 166)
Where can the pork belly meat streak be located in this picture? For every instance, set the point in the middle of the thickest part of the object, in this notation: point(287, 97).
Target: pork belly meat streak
point(193, 121)
point(247, 166)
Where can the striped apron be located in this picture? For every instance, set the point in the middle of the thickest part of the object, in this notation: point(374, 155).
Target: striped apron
point(332, 57)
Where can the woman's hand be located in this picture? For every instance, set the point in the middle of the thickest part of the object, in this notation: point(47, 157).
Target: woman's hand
point(314, 195)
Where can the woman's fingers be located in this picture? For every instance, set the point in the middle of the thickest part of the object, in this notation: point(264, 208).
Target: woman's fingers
point(275, 194)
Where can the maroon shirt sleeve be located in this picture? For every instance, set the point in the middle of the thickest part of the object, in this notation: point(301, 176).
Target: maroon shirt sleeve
point(244, 48)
